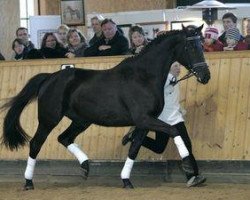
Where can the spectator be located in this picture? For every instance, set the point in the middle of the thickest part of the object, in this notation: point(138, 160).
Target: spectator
point(62, 32)
point(96, 25)
point(18, 47)
point(229, 21)
point(233, 42)
point(211, 42)
point(51, 47)
point(22, 33)
point(1, 56)
point(247, 40)
point(247, 37)
point(248, 27)
point(113, 43)
point(77, 43)
point(137, 39)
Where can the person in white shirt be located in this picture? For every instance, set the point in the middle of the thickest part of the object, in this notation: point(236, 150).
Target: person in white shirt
point(172, 114)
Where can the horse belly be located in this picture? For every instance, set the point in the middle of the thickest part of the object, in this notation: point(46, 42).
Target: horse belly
point(105, 111)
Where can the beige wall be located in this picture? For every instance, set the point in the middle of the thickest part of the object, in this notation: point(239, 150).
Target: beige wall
point(48, 7)
point(9, 22)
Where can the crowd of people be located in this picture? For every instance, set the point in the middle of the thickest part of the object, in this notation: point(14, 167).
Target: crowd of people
point(231, 38)
point(109, 40)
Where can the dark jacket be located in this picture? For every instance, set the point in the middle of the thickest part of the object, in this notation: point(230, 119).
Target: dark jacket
point(94, 39)
point(47, 53)
point(29, 47)
point(119, 46)
point(1, 57)
point(53, 53)
point(79, 51)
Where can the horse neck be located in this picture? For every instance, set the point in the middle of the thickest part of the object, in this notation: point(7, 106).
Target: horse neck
point(158, 60)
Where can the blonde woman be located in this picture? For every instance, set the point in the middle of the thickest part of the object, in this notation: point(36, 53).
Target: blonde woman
point(62, 32)
point(77, 43)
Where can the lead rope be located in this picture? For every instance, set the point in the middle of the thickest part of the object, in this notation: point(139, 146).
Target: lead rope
point(188, 75)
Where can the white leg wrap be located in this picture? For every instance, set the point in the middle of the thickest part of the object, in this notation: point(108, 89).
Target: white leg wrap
point(181, 147)
point(30, 168)
point(77, 152)
point(126, 170)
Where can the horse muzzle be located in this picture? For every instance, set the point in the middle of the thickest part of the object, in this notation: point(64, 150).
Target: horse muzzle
point(203, 74)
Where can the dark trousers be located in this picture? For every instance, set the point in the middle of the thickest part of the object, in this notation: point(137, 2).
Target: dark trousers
point(159, 144)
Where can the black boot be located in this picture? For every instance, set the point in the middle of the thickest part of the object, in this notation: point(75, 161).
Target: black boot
point(196, 181)
point(190, 167)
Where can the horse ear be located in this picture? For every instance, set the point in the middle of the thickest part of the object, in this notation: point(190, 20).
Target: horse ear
point(200, 28)
point(184, 28)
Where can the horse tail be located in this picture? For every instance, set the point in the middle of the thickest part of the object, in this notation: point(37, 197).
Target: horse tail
point(13, 134)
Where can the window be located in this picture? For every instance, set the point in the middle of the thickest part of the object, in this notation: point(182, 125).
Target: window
point(27, 9)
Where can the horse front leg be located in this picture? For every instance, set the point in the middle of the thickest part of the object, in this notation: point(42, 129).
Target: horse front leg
point(133, 152)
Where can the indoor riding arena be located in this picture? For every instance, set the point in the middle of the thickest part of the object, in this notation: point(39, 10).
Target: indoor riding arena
point(217, 118)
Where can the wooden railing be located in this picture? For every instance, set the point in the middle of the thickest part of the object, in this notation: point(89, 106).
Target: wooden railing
point(218, 114)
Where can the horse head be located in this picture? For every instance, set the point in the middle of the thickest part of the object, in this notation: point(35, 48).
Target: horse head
point(190, 54)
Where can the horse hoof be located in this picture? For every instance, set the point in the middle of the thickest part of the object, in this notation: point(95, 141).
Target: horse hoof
point(127, 184)
point(28, 185)
point(85, 169)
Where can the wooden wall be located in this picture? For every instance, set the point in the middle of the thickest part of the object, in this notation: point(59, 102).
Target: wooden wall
point(218, 114)
point(9, 22)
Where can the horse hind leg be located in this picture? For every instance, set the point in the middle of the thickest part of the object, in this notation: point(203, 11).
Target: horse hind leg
point(36, 143)
point(67, 139)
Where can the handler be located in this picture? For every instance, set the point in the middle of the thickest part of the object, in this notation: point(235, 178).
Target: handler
point(172, 114)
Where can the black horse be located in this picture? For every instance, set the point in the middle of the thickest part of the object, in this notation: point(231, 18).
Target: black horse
point(130, 94)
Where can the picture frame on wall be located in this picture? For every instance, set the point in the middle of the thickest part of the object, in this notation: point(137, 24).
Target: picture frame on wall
point(151, 29)
point(72, 12)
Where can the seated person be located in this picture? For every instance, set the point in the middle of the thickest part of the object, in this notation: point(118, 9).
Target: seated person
point(229, 21)
point(62, 32)
point(113, 43)
point(18, 47)
point(97, 29)
point(1, 56)
point(51, 47)
point(137, 39)
point(233, 42)
point(23, 34)
point(247, 40)
point(77, 43)
point(211, 42)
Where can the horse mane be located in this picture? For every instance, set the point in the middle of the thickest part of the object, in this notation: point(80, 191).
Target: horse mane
point(154, 42)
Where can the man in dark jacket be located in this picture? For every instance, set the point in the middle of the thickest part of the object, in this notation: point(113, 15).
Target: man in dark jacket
point(113, 43)
point(96, 25)
point(1, 57)
point(23, 34)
